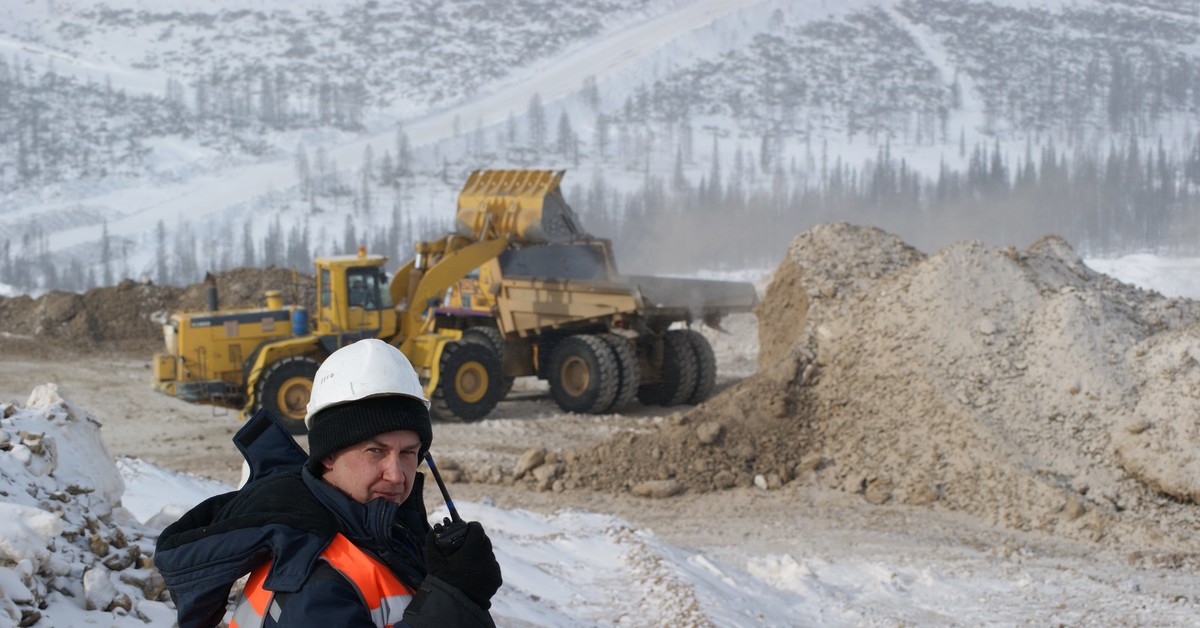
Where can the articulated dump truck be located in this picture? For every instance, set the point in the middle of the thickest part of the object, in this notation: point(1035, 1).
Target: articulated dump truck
point(517, 288)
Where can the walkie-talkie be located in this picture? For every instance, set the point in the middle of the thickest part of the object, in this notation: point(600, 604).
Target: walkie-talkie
point(452, 531)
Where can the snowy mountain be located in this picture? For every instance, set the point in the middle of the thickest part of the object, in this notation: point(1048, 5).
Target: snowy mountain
point(160, 140)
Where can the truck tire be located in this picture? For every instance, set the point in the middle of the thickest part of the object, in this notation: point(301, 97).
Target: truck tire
point(677, 379)
point(284, 390)
point(491, 337)
point(706, 366)
point(583, 374)
point(469, 382)
point(629, 373)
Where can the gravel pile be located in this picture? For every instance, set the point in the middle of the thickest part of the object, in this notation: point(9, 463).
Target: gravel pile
point(1018, 386)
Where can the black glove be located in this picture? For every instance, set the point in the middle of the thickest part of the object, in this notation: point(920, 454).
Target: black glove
point(472, 567)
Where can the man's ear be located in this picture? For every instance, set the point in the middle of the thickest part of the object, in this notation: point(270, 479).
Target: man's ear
point(327, 462)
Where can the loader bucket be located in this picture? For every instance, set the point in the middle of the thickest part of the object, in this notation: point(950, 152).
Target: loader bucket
point(521, 205)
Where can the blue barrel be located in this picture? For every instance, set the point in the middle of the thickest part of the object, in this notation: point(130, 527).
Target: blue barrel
point(299, 321)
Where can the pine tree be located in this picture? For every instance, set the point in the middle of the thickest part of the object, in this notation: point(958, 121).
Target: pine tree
point(365, 203)
point(590, 93)
point(161, 277)
point(387, 170)
point(679, 179)
point(566, 136)
point(601, 139)
point(248, 244)
point(304, 173)
point(105, 256)
point(537, 123)
point(349, 239)
point(403, 154)
point(714, 175)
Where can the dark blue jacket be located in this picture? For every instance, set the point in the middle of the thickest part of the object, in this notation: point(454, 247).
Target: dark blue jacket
point(287, 515)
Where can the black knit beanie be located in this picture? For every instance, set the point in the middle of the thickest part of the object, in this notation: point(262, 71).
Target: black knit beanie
point(346, 424)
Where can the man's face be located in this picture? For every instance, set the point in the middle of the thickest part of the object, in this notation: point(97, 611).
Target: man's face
point(381, 466)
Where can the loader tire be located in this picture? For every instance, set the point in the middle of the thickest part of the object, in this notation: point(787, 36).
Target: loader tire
point(677, 379)
point(629, 373)
point(706, 366)
point(491, 337)
point(469, 383)
point(583, 374)
point(284, 390)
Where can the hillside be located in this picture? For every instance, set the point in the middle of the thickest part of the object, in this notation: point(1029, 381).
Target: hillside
point(137, 136)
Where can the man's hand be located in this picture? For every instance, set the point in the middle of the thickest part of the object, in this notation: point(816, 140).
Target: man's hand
point(472, 567)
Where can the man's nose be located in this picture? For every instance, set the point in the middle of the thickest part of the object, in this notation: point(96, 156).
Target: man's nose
point(392, 471)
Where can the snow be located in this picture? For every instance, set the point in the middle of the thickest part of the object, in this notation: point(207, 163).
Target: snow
point(569, 568)
point(186, 182)
point(1171, 277)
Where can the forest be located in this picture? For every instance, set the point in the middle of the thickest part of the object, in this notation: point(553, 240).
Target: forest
point(1088, 131)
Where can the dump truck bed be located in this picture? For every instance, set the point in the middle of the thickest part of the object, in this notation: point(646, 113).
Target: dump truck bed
point(529, 305)
point(682, 298)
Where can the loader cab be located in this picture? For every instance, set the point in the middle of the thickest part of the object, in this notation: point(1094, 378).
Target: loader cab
point(353, 300)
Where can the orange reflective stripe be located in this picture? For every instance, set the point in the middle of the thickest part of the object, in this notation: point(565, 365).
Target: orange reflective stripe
point(386, 597)
point(252, 606)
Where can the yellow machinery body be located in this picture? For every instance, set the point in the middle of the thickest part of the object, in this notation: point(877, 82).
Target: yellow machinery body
point(264, 357)
point(516, 288)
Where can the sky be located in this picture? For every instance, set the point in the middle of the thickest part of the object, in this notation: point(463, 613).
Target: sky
point(568, 568)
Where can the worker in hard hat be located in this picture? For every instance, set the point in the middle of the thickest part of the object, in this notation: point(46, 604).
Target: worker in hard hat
point(338, 536)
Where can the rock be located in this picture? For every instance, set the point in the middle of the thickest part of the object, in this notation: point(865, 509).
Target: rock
point(545, 475)
point(34, 442)
point(878, 492)
point(1138, 426)
point(529, 461)
point(118, 561)
point(98, 589)
point(769, 482)
point(658, 489)
point(723, 480)
point(811, 462)
point(122, 602)
point(710, 433)
point(922, 495)
point(98, 544)
point(1074, 508)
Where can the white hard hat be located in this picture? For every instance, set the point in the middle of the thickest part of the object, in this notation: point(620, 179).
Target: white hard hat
point(367, 368)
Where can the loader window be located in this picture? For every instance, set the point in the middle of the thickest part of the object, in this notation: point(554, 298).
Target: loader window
point(367, 288)
point(325, 288)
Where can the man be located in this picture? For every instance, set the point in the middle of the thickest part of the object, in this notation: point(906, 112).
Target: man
point(338, 536)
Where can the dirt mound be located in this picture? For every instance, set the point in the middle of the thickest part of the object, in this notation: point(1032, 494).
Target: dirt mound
point(1020, 387)
point(128, 316)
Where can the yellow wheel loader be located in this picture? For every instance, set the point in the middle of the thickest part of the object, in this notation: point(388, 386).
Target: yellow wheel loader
point(517, 288)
